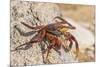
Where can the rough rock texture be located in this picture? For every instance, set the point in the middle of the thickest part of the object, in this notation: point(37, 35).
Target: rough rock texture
point(21, 12)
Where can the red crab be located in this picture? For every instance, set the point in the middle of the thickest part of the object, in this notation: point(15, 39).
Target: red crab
point(51, 33)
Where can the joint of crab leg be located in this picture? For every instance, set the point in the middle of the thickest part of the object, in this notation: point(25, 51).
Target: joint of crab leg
point(49, 48)
point(70, 45)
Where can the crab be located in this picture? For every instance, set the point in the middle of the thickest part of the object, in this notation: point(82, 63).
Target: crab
point(50, 33)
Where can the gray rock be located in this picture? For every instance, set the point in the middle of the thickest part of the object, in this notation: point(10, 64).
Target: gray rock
point(24, 11)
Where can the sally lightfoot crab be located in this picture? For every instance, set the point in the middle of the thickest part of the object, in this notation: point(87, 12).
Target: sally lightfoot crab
point(50, 33)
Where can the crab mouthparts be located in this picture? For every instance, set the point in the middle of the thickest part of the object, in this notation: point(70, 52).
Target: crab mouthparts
point(66, 28)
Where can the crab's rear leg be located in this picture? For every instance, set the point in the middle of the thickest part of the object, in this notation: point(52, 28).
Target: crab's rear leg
point(21, 32)
point(38, 38)
point(31, 27)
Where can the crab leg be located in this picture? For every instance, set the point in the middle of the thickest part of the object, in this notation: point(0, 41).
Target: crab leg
point(55, 43)
point(76, 43)
point(37, 38)
point(22, 32)
point(49, 48)
point(71, 38)
point(69, 47)
point(31, 27)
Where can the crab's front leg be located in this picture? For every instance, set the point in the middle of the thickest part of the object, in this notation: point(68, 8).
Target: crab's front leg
point(76, 44)
point(69, 37)
point(55, 44)
point(67, 49)
point(51, 46)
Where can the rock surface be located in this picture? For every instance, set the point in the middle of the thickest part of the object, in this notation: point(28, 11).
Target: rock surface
point(27, 12)
point(40, 13)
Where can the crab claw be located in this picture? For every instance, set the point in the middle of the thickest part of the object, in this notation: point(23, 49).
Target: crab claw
point(63, 22)
point(71, 27)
